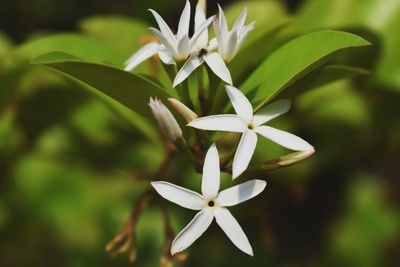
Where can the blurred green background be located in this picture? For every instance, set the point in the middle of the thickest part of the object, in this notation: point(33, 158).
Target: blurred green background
point(69, 165)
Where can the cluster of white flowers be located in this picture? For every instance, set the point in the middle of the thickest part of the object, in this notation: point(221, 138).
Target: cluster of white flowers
point(192, 52)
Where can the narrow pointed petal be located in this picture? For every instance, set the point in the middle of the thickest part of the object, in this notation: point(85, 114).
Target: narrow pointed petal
point(192, 231)
point(143, 54)
point(284, 139)
point(183, 48)
point(179, 195)
point(240, 103)
point(244, 153)
point(211, 174)
point(271, 111)
point(239, 24)
point(233, 230)
point(201, 32)
point(227, 123)
point(219, 42)
point(240, 193)
point(165, 55)
point(164, 28)
point(199, 19)
point(245, 32)
point(213, 44)
point(223, 25)
point(231, 47)
point(168, 45)
point(193, 63)
point(184, 22)
point(218, 66)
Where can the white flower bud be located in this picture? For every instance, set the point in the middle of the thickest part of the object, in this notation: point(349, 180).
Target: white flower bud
point(186, 112)
point(168, 124)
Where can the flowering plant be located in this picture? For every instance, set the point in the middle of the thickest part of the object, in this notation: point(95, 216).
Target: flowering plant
point(206, 81)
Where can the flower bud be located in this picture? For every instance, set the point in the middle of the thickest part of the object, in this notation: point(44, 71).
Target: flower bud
point(168, 124)
point(295, 157)
point(186, 112)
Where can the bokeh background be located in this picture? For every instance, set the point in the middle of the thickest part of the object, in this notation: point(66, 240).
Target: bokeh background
point(69, 165)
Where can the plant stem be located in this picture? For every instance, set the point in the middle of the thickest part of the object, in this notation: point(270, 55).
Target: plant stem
point(202, 94)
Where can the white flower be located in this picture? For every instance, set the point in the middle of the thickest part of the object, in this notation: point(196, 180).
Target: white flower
point(211, 203)
point(173, 47)
point(203, 51)
point(167, 122)
point(251, 125)
point(229, 42)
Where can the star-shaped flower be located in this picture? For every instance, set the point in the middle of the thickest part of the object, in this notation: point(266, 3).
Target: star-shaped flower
point(250, 125)
point(204, 52)
point(229, 42)
point(210, 204)
point(173, 47)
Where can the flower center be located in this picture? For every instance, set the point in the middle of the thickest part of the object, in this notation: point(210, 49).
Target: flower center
point(251, 126)
point(211, 203)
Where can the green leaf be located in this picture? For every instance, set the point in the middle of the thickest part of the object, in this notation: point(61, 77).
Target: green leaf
point(294, 60)
point(131, 90)
point(373, 15)
point(121, 34)
point(79, 45)
point(321, 77)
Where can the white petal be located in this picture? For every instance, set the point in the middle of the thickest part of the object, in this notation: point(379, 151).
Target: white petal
point(233, 230)
point(164, 28)
point(202, 29)
point(192, 231)
point(240, 103)
point(168, 45)
point(191, 64)
point(231, 47)
point(271, 111)
point(165, 55)
point(218, 66)
point(199, 19)
point(211, 173)
point(238, 26)
point(245, 32)
point(218, 36)
point(284, 139)
point(213, 44)
point(227, 123)
point(244, 153)
point(240, 193)
point(143, 54)
point(183, 48)
point(184, 22)
point(179, 195)
point(223, 26)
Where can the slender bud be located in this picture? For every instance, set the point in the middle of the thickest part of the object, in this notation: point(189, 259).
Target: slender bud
point(295, 157)
point(168, 124)
point(283, 161)
point(186, 112)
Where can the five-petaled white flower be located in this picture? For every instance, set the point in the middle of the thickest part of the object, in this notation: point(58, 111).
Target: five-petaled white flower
point(250, 125)
point(211, 203)
point(173, 47)
point(229, 42)
point(204, 51)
